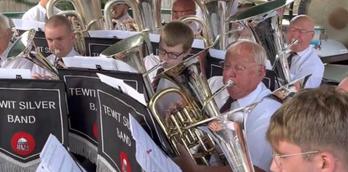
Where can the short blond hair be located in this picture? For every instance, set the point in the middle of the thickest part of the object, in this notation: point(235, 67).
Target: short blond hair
point(175, 33)
point(315, 119)
point(4, 22)
point(256, 50)
point(59, 20)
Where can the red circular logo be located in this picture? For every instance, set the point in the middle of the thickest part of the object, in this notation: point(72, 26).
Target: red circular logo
point(23, 143)
point(95, 130)
point(125, 164)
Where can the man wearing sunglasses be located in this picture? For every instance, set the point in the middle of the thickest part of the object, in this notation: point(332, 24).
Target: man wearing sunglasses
point(304, 60)
point(309, 133)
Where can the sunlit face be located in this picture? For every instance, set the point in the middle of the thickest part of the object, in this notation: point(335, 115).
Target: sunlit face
point(171, 55)
point(60, 40)
point(5, 37)
point(295, 163)
point(44, 2)
point(303, 31)
point(119, 10)
point(181, 10)
point(241, 68)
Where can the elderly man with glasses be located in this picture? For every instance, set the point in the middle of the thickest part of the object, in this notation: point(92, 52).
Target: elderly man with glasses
point(309, 133)
point(245, 66)
point(304, 60)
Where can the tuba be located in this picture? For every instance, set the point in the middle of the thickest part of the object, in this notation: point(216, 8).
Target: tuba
point(146, 13)
point(88, 12)
point(194, 105)
point(214, 15)
point(263, 23)
point(206, 34)
point(86, 16)
point(132, 50)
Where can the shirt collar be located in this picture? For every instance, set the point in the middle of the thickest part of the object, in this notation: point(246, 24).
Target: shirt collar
point(255, 96)
point(304, 52)
point(72, 53)
point(41, 8)
point(5, 53)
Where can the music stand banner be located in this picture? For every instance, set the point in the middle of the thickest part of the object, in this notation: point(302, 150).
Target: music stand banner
point(29, 111)
point(116, 151)
point(94, 46)
point(81, 86)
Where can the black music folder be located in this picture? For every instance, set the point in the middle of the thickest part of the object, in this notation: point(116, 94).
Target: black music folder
point(29, 111)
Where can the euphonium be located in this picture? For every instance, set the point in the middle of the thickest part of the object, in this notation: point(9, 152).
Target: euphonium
point(196, 104)
point(22, 48)
point(191, 89)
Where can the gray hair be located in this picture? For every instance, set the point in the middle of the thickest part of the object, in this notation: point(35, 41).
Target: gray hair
point(256, 50)
point(4, 22)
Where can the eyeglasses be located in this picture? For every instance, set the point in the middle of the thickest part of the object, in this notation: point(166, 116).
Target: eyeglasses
point(301, 31)
point(171, 55)
point(277, 157)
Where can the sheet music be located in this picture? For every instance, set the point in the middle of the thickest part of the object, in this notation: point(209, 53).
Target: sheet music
point(125, 88)
point(15, 73)
point(149, 156)
point(28, 24)
point(95, 62)
point(55, 158)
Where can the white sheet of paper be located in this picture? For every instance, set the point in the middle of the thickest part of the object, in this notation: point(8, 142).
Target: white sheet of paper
point(55, 158)
point(220, 54)
point(330, 48)
point(149, 156)
point(119, 84)
point(120, 34)
point(92, 62)
point(13, 73)
point(28, 24)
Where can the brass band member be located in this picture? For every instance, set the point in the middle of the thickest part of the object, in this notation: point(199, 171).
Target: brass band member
point(175, 45)
point(183, 8)
point(303, 59)
point(121, 18)
point(60, 38)
point(245, 65)
point(5, 46)
point(38, 12)
point(309, 133)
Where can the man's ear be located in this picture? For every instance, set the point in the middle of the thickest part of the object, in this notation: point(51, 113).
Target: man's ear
point(326, 162)
point(262, 71)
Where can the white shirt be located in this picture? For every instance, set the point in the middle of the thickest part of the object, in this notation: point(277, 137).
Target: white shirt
point(151, 61)
point(51, 58)
point(16, 63)
point(307, 62)
point(120, 25)
point(256, 122)
point(37, 13)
